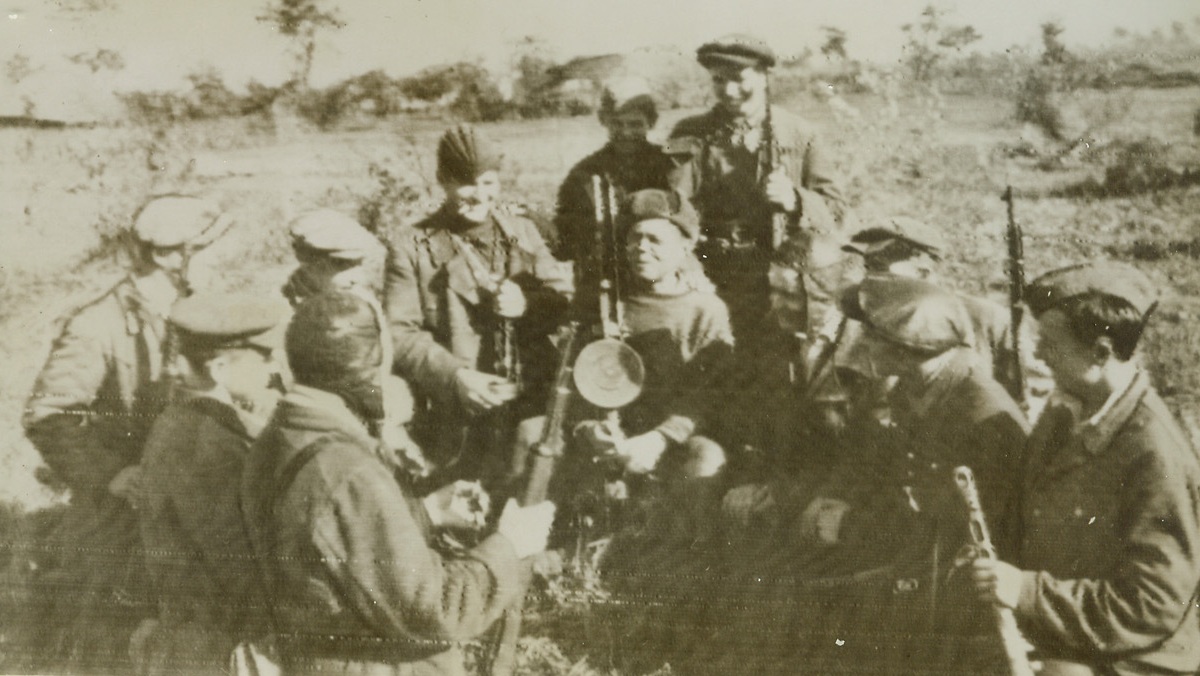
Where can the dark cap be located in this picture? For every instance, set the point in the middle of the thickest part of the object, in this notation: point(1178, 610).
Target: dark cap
point(910, 312)
point(176, 220)
point(1106, 278)
point(878, 237)
point(463, 154)
point(222, 321)
point(331, 233)
point(652, 203)
point(738, 50)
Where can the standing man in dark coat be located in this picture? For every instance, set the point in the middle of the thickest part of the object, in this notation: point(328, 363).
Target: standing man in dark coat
point(92, 405)
point(454, 281)
point(1105, 538)
point(770, 208)
point(197, 553)
point(344, 540)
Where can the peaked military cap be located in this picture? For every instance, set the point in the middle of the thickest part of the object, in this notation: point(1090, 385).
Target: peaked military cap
point(1108, 278)
point(331, 233)
point(653, 203)
point(177, 220)
point(736, 50)
point(878, 237)
point(221, 321)
point(463, 154)
point(910, 312)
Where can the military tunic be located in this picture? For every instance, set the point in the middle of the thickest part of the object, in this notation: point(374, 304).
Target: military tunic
point(90, 411)
point(724, 179)
point(441, 320)
point(1108, 529)
point(357, 588)
point(198, 555)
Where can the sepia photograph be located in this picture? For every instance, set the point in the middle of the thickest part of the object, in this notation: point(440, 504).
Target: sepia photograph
point(600, 338)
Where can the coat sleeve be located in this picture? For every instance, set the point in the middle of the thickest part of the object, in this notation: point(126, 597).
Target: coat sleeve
point(573, 217)
point(57, 417)
point(373, 544)
point(1144, 598)
point(418, 357)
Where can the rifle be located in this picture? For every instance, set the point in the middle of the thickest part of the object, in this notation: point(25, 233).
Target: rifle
point(1016, 647)
point(546, 454)
point(1016, 294)
point(604, 196)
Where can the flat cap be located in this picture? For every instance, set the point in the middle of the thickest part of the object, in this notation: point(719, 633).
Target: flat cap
point(177, 220)
point(738, 49)
point(1107, 278)
point(216, 321)
point(331, 233)
point(878, 237)
point(463, 154)
point(628, 94)
point(652, 203)
point(910, 312)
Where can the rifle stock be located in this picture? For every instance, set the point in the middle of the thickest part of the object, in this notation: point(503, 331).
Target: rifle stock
point(541, 470)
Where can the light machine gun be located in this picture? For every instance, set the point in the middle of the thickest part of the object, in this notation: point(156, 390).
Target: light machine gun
point(1016, 647)
point(546, 454)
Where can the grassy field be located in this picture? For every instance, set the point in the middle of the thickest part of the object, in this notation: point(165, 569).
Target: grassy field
point(67, 192)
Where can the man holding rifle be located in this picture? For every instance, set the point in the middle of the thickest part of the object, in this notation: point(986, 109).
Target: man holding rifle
point(769, 205)
point(1104, 536)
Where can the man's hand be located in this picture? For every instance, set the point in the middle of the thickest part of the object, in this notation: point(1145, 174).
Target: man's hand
point(641, 453)
point(480, 391)
point(462, 504)
point(599, 436)
point(996, 581)
point(822, 520)
point(127, 484)
point(745, 502)
point(781, 191)
point(509, 300)
point(527, 528)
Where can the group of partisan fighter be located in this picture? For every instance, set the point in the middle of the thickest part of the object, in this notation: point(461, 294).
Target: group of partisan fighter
point(786, 447)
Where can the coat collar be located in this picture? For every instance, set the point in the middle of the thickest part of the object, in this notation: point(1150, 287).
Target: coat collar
point(1096, 433)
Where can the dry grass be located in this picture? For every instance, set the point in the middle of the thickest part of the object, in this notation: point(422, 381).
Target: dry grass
point(67, 190)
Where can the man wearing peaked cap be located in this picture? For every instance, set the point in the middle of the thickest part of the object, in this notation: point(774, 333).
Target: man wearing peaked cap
point(456, 282)
point(91, 408)
point(1103, 557)
point(197, 554)
point(946, 413)
point(769, 205)
point(905, 246)
point(760, 181)
point(334, 251)
point(628, 162)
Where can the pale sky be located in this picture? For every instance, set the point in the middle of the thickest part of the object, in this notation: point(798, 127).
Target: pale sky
point(161, 40)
